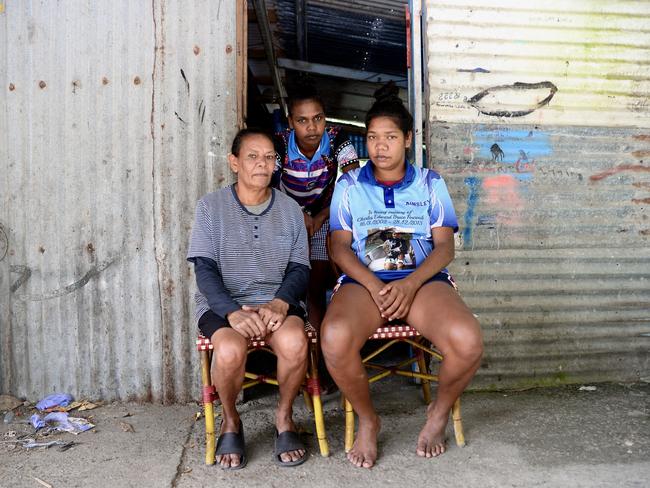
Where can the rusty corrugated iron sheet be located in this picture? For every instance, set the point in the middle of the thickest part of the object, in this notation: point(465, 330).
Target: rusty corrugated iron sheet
point(554, 248)
point(116, 118)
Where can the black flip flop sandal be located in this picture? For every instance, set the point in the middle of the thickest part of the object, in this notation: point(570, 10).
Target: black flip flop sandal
point(285, 442)
point(233, 443)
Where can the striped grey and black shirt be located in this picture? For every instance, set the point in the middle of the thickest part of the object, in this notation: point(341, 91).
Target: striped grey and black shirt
point(251, 251)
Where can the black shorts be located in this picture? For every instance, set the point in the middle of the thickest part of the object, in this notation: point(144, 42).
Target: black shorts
point(210, 322)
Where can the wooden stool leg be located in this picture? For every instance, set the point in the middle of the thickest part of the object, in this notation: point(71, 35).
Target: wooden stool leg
point(208, 408)
point(349, 426)
point(426, 384)
point(314, 391)
point(458, 424)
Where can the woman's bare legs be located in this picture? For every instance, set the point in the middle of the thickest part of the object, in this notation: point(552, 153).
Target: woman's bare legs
point(289, 343)
point(229, 359)
point(351, 318)
point(440, 315)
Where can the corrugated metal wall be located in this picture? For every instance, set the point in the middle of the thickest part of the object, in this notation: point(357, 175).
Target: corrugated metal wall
point(539, 120)
point(115, 118)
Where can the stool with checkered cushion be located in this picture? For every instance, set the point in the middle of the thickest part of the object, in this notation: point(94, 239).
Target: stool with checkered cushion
point(311, 388)
point(403, 333)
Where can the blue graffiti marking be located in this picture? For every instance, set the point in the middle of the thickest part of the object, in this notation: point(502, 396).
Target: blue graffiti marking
point(474, 184)
point(521, 176)
point(511, 143)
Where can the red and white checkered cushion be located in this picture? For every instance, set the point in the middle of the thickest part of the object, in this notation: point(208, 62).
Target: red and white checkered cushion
point(394, 332)
point(204, 344)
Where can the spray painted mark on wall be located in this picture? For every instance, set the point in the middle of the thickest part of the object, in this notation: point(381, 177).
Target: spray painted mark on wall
point(507, 151)
point(640, 154)
point(25, 273)
point(523, 164)
point(179, 118)
point(474, 185)
point(201, 111)
point(514, 100)
point(187, 83)
point(619, 169)
point(80, 283)
point(500, 194)
point(472, 70)
point(4, 243)
point(497, 152)
point(511, 144)
point(201, 106)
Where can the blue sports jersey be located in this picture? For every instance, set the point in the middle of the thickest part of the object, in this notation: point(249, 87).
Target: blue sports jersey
point(391, 225)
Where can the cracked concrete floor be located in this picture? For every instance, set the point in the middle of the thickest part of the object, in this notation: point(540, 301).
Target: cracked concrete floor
point(546, 437)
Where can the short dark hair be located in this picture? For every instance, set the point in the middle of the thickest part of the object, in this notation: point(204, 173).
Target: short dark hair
point(301, 91)
point(243, 134)
point(389, 104)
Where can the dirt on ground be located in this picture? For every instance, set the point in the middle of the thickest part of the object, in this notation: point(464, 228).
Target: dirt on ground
point(568, 436)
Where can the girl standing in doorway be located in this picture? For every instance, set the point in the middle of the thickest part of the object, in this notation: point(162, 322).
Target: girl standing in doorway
point(309, 155)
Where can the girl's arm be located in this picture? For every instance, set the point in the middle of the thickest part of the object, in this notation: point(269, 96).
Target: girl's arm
point(347, 261)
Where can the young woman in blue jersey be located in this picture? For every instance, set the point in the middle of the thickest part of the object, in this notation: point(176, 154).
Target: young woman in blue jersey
point(392, 234)
point(309, 155)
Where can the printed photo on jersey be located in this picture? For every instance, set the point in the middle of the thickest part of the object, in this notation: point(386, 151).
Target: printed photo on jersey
point(389, 248)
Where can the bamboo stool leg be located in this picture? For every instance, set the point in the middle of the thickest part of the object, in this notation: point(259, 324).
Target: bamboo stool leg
point(307, 397)
point(306, 393)
point(349, 426)
point(314, 390)
point(426, 384)
point(320, 427)
point(458, 423)
point(208, 408)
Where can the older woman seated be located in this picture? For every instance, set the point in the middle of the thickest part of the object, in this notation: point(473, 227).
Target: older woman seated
point(249, 249)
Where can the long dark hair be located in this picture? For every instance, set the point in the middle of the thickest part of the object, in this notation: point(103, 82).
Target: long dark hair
point(389, 104)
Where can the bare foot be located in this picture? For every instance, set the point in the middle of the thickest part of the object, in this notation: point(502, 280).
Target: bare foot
point(364, 451)
point(432, 441)
point(284, 422)
point(229, 460)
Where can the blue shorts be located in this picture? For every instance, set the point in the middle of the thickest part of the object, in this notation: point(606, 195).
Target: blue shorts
point(441, 276)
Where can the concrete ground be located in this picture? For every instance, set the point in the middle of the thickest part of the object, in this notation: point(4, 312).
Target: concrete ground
point(545, 437)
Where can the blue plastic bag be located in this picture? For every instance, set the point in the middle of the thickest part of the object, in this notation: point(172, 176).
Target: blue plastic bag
point(54, 400)
point(61, 421)
point(54, 418)
point(37, 421)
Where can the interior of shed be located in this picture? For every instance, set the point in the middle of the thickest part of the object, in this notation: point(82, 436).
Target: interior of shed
point(347, 49)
